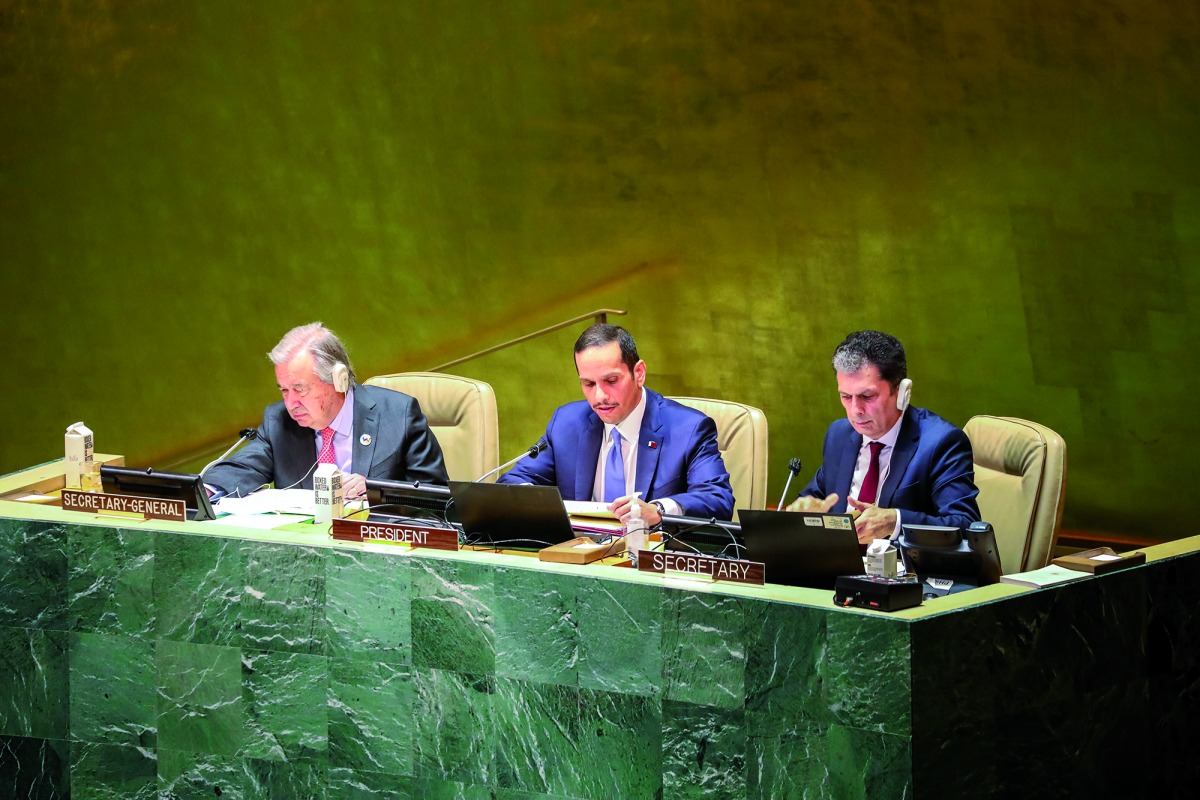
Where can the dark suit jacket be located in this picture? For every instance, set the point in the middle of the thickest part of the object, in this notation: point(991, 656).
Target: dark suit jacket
point(932, 475)
point(402, 447)
point(677, 457)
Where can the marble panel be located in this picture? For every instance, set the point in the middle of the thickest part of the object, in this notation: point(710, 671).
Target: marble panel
point(620, 746)
point(198, 582)
point(537, 633)
point(111, 580)
point(34, 683)
point(184, 775)
point(538, 736)
point(113, 696)
point(33, 575)
point(704, 649)
point(785, 645)
point(517, 794)
point(455, 733)
point(370, 716)
point(283, 598)
point(348, 784)
point(367, 605)
point(285, 780)
point(113, 772)
point(453, 625)
point(200, 702)
point(34, 768)
point(441, 789)
point(285, 698)
point(833, 762)
point(620, 637)
point(704, 752)
point(865, 676)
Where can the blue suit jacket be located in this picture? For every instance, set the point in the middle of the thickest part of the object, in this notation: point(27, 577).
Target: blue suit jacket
point(932, 476)
point(401, 447)
point(677, 457)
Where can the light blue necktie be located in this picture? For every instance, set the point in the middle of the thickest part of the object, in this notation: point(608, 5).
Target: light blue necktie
point(614, 470)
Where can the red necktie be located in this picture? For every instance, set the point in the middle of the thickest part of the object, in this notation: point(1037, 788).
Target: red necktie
point(870, 485)
point(327, 456)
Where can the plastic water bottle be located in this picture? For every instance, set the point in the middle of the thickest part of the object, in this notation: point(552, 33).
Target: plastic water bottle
point(635, 530)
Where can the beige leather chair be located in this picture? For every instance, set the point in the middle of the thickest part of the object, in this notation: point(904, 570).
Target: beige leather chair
point(1021, 472)
point(461, 414)
point(742, 438)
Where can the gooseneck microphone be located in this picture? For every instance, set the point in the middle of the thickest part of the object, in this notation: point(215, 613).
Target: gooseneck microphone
point(793, 471)
point(246, 433)
point(532, 452)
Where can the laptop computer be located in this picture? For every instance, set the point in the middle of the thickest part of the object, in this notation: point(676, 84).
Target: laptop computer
point(801, 548)
point(510, 515)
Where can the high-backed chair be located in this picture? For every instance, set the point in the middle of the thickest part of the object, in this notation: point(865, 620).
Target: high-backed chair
point(461, 414)
point(1021, 472)
point(742, 439)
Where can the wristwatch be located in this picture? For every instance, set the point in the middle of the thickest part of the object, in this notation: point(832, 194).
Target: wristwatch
point(662, 511)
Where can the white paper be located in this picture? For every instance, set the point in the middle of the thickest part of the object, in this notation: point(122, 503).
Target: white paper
point(269, 501)
point(584, 508)
point(1104, 557)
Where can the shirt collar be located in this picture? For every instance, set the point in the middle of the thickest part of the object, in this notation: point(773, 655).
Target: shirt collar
point(631, 426)
point(889, 438)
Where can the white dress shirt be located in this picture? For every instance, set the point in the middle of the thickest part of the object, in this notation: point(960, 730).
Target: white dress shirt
point(630, 429)
point(888, 440)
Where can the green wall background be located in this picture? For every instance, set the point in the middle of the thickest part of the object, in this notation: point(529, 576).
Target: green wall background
point(1009, 186)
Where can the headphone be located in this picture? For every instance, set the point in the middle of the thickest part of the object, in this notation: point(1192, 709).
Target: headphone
point(903, 394)
point(341, 377)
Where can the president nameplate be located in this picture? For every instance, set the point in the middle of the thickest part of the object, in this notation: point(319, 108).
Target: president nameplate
point(100, 503)
point(354, 530)
point(717, 569)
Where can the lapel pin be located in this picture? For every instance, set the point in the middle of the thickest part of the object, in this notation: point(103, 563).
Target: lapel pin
point(652, 444)
point(365, 440)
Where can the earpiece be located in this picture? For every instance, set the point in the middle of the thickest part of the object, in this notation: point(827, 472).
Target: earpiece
point(903, 394)
point(341, 377)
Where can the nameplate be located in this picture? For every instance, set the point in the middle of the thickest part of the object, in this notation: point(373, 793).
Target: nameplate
point(718, 569)
point(148, 507)
point(355, 530)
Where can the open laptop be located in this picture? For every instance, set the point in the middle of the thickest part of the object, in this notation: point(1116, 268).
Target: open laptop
point(801, 548)
point(510, 515)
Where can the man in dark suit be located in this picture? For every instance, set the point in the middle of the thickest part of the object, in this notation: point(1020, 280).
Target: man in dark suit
point(326, 416)
point(889, 462)
point(623, 438)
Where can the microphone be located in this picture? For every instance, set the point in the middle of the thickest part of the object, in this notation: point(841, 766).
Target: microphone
point(246, 433)
point(532, 452)
point(793, 471)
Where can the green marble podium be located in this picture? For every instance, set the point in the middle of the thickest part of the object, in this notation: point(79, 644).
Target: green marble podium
point(183, 660)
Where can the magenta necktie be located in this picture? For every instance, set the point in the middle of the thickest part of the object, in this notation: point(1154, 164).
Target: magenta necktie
point(327, 456)
point(870, 484)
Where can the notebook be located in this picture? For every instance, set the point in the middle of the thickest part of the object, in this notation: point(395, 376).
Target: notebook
point(510, 515)
point(801, 548)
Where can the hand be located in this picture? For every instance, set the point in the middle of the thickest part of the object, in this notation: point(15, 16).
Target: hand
point(353, 486)
point(873, 522)
point(622, 507)
point(814, 504)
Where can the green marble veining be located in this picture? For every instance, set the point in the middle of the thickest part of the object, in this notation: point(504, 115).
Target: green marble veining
point(33, 565)
point(34, 683)
point(704, 649)
point(455, 726)
point(34, 767)
point(785, 645)
point(349, 784)
point(370, 716)
point(865, 674)
point(113, 696)
point(200, 701)
point(704, 752)
point(202, 580)
point(368, 606)
point(285, 697)
point(186, 775)
point(282, 606)
point(537, 628)
point(453, 624)
point(620, 637)
point(111, 583)
point(113, 772)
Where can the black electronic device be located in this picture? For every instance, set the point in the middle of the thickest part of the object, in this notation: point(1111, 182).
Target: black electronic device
point(704, 535)
point(969, 558)
point(801, 548)
point(148, 482)
point(876, 592)
point(407, 498)
point(511, 515)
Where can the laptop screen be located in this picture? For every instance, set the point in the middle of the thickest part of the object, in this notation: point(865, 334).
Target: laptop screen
point(800, 548)
point(510, 515)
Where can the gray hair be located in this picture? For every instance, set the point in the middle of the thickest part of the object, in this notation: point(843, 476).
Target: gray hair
point(872, 348)
point(323, 344)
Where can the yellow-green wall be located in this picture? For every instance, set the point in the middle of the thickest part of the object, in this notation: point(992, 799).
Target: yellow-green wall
point(1010, 186)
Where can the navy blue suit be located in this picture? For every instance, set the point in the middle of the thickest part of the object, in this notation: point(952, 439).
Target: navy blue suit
point(931, 480)
point(677, 457)
point(399, 446)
